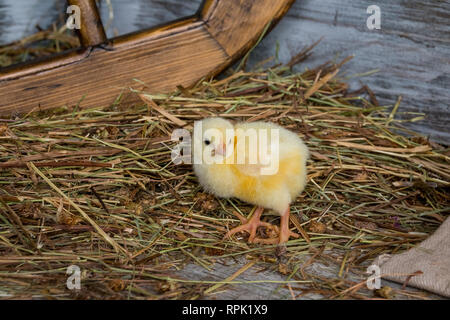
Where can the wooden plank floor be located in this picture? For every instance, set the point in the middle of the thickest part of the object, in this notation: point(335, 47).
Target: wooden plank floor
point(259, 284)
point(411, 52)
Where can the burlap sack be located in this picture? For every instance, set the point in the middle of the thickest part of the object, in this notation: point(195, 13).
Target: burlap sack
point(432, 257)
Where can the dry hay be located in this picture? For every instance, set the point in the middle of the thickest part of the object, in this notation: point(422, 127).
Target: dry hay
point(96, 188)
point(57, 38)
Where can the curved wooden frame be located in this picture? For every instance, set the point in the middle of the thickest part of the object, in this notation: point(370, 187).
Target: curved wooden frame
point(179, 53)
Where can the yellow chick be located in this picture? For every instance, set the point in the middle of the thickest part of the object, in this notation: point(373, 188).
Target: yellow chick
point(258, 162)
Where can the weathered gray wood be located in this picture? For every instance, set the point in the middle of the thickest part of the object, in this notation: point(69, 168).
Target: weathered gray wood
point(19, 18)
point(411, 51)
point(259, 284)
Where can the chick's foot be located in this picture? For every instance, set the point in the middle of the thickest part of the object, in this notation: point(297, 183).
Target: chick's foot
point(251, 225)
point(285, 233)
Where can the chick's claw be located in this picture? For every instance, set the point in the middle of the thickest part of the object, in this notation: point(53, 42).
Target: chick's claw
point(284, 237)
point(251, 226)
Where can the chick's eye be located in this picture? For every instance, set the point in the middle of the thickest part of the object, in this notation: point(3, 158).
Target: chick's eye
point(207, 142)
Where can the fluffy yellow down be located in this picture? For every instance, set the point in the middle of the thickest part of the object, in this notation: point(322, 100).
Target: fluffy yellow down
point(244, 180)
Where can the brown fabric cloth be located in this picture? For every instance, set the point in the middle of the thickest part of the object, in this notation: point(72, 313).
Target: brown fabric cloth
point(432, 257)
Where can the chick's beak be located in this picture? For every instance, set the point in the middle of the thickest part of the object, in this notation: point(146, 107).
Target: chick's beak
point(221, 149)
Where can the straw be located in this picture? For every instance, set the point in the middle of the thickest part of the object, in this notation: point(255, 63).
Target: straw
point(97, 188)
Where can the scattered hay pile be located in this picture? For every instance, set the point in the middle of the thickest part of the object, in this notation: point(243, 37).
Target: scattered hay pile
point(40, 44)
point(96, 188)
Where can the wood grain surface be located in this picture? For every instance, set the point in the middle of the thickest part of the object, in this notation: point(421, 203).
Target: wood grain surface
point(91, 30)
point(230, 24)
point(179, 53)
point(97, 77)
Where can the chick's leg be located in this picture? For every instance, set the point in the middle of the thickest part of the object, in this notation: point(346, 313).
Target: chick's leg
point(250, 225)
point(285, 233)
